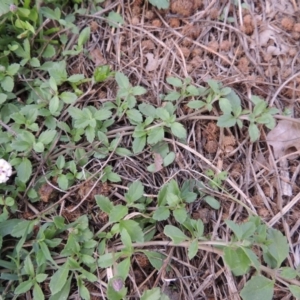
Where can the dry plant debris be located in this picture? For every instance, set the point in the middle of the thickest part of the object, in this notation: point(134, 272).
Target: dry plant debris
point(251, 47)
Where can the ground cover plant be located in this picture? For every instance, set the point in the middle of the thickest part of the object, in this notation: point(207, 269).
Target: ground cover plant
point(147, 150)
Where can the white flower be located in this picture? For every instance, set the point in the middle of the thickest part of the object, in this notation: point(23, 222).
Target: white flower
point(5, 170)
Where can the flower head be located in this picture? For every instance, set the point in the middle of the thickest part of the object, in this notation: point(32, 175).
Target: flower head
point(5, 170)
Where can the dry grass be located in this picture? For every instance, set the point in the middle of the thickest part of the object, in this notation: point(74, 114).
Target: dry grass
point(214, 40)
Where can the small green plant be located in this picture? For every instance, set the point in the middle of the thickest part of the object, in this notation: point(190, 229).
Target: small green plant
point(160, 4)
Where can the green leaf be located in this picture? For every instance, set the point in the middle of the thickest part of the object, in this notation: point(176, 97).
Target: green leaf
point(225, 106)
point(24, 170)
point(5, 6)
point(253, 132)
point(63, 182)
point(37, 292)
point(41, 277)
point(241, 231)
point(237, 260)
point(123, 152)
point(235, 101)
point(193, 249)
point(226, 120)
point(172, 96)
point(153, 294)
point(160, 4)
point(135, 116)
point(295, 290)
point(24, 287)
point(84, 292)
point(156, 259)
point(196, 104)
point(3, 98)
point(84, 36)
point(122, 80)
point(68, 97)
point(47, 136)
point(63, 294)
point(169, 159)
point(49, 52)
point(76, 78)
point(34, 62)
point(175, 234)
point(288, 273)
point(106, 260)
point(178, 130)
point(133, 229)
point(161, 213)
point(90, 133)
point(214, 85)
point(147, 109)
point(180, 215)
point(135, 192)
point(173, 80)
point(138, 144)
point(138, 90)
point(257, 288)
point(155, 135)
point(28, 266)
point(211, 201)
point(102, 114)
point(7, 227)
point(278, 247)
point(59, 279)
point(114, 19)
point(117, 213)
point(7, 84)
point(192, 90)
point(54, 105)
point(12, 69)
point(104, 203)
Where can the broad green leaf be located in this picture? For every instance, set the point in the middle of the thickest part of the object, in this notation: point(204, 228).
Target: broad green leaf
point(253, 258)
point(3, 98)
point(37, 292)
point(49, 52)
point(174, 81)
point(278, 247)
point(5, 6)
point(122, 80)
point(117, 213)
point(214, 85)
point(169, 159)
point(24, 170)
point(125, 238)
point(113, 177)
point(192, 90)
point(90, 133)
point(135, 192)
point(34, 62)
point(253, 132)
point(7, 226)
point(12, 69)
point(76, 78)
point(138, 90)
point(147, 109)
point(28, 266)
point(135, 116)
point(162, 114)
point(237, 260)
point(226, 120)
point(7, 83)
point(235, 101)
point(241, 231)
point(180, 215)
point(47, 136)
point(68, 97)
point(295, 290)
point(211, 201)
point(138, 144)
point(258, 288)
point(63, 294)
point(123, 268)
point(161, 213)
point(155, 135)
point(172, 96)
point(38, 147)
point(288, 273)
point(196, 104)
point(63, 182)
point(24, 287)
point(54, 105)
point(123, 151)
point(193, 249)
point(106, 260)
point(114, 19)
point(104, 203)
point(41, 277)
point(59, 279)
point(133, 229)
point(225, 106)
point(175, 234)
point(102, 114)
point(160, 4)
point(178, 130)
point(156, 259)
point(84, 36)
